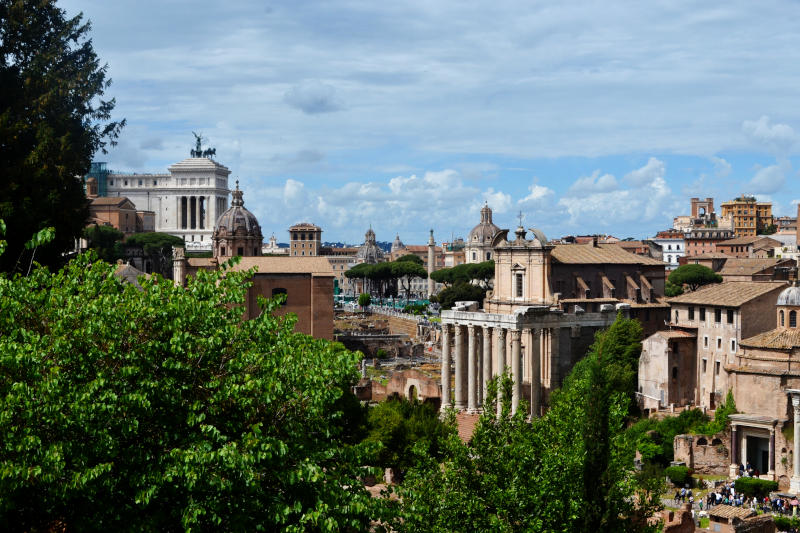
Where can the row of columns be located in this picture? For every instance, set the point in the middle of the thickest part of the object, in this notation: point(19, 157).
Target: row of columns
point(474, 369)
point(192, 211)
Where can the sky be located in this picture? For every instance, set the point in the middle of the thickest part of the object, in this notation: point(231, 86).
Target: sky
point(586, 117)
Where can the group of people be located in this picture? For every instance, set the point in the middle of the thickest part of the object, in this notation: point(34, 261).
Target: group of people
point(726, 494)
point(748, 470)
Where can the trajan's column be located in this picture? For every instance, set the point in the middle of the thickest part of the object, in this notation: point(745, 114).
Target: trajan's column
point(431, 260)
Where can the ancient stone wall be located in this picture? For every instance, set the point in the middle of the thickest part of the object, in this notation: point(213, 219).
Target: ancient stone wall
point(709, 455)
point(405, 326)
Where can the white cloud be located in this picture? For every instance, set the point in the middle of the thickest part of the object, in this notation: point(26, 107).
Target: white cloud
point(538, 198)
point(654, 169)
point(778, 137)
point(769, 179)
point(596, 183)
point(721, 167)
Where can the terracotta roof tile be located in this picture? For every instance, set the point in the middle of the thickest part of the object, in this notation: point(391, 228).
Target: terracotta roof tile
point(601, 254)
point(783, 339)
point(676, 334)
point(729, 293)
point(729, 511)
point(749, 266)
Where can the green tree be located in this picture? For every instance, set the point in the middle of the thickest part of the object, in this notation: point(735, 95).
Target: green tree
point(158, 409)
point(364, 300)
point(460, 292)
point(670, 289)
point(405, 271)
point(53, 119)
point(769, 230)
point(413, 258)
point(520, 476)
point(106, 241)
point(399, 425)
point(693, 276)
point(157, 247)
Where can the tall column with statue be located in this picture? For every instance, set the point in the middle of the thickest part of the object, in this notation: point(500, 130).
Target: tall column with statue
point(431, 263)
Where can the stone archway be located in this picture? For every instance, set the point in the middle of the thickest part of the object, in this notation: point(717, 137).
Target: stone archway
point(412, 394)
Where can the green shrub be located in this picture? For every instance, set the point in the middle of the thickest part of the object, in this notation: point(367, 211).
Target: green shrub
point(786, 523)
point(679, 475)
point(381, 353)
point(751, 486)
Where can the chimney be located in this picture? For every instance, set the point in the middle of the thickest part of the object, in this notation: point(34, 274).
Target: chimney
point(594, 241)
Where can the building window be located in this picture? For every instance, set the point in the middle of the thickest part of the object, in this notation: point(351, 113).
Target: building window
point(792, 319)
point(240, 251)
point(474, 256)
point(676, 316)
point(733, 345)
point(783, 322)
point(719, 343)
point(730, 316)
point(717, 315)
point(705, 363)
point(488, 256)
point(140, 183)
point(691, 313)
point(716, 367)
point(702, 314)
point(126, 183)
point(518, 279)
point(674, 372)
point(111, 182)
point(705, 342)
point(155, 182)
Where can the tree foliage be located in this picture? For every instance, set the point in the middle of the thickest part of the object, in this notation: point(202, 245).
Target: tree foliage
point(412, 258)
point(480, 273)
point(670, 289)
point(157, 247)
point(158, 409)
point(364, 300)
point(570, 470)
point(693, 276)
point(52, 121)
point(106, 241)
point(399, 425)
point(460, 292)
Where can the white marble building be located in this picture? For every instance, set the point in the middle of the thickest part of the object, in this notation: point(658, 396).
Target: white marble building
point(187, 201)
point(672, 249)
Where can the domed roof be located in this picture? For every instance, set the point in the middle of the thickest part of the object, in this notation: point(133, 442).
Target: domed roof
point(483, 232)
point(237, 217)
point(789, 296)
point(369, 252)
point(397, 244)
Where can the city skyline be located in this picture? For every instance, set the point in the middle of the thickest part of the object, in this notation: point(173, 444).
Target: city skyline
point(588, 119)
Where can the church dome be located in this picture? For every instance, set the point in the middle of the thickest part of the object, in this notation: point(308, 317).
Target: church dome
point(237, 231)
point(397, 244)
point(237, 218)
point(483, 232)
point(369, 252)
point(789, 296)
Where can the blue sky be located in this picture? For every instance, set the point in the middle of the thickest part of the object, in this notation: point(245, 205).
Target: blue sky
point(586, 116)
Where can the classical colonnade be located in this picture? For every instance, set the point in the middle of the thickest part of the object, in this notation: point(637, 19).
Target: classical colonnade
point(481, 352)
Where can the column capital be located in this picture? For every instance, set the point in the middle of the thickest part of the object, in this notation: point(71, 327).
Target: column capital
point(516, 334)
point(471, 329)
point(487, 331)
point(501, 332)
point(796, 403)
point(445, 327)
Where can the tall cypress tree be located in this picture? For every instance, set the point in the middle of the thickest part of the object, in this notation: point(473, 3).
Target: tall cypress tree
point(52, 121)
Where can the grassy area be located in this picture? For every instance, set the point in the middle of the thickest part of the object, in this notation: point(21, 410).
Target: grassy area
point(375, 374)
point(704, 522)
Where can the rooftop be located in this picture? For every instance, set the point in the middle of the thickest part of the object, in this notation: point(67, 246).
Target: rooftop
point(729, 293)
point(602, 253)
point(747, 266)
point(781, 339)
point(729, 511)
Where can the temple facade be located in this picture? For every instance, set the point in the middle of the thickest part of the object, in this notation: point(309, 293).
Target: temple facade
point(521, 328)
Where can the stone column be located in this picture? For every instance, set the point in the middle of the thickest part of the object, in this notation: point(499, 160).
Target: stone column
point(445, 366)
point(794, 484)
point(461, 397)
point(555, 336)
point(487, 360)
point(472, 371)
point(733, 471)
point(501, 362)
point(516, 371)
point(772, 451)
point(536, 372)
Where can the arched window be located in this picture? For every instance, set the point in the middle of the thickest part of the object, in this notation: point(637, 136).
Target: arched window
point(702, 441)
point(222, 251)
point(783, 322)
point(792, 319)
point(716, 442)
